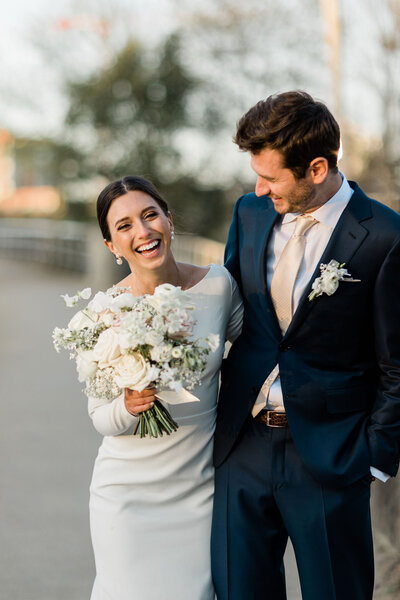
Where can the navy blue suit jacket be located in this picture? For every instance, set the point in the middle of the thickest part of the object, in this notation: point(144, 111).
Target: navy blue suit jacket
point(339, 360)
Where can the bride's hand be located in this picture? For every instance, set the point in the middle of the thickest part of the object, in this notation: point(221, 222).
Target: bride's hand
point(137, 402)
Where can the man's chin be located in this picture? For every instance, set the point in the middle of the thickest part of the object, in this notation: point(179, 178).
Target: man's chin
point(280, 206)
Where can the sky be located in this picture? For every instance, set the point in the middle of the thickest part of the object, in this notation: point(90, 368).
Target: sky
point(30, 101)
point(29, 98)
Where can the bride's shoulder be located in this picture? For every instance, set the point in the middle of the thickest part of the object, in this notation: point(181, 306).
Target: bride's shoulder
point(215, 277)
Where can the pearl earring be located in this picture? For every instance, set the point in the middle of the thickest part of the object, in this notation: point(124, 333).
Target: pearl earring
point(118, 259)
point(172, 235)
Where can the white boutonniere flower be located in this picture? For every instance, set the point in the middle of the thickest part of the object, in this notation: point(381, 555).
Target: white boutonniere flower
point(328, 282)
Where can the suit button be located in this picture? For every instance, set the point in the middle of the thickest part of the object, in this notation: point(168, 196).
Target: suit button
point(285, 348)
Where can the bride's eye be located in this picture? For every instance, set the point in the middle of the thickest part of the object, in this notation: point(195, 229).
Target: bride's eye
point(124, 226)
point(151, 214)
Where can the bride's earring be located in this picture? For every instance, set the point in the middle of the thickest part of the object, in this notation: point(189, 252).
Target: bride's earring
point(172, 235)
point(118, 259)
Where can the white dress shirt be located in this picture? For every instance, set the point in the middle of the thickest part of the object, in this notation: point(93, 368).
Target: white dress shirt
point(317, 239)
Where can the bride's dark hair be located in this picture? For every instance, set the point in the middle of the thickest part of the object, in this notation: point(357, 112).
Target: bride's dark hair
point(120, 187)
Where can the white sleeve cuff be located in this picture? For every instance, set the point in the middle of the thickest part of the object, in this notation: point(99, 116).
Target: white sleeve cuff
point(110, 418)
point(379, 474)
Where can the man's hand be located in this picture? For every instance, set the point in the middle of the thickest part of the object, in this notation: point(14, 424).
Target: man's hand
point(137, 402)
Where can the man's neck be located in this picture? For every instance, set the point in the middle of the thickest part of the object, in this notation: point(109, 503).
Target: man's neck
point(325, 191)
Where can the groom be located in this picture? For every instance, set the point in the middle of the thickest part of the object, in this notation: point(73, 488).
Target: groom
point(309, 409)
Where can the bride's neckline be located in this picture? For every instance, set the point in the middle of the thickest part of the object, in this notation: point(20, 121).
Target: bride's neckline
point(210, 267)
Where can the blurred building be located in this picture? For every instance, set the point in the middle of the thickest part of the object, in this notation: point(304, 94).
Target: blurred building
point(26, 188)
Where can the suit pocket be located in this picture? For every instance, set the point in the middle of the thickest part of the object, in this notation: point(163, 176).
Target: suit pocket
point(348, 400)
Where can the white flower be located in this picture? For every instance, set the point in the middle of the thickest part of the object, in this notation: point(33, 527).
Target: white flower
point(176, 352)
point(86, 365)
point(328, 282)
point(132, 371)
point(213, 341)
point(123, 301)
point(167, 297)
point(161, 353)
point(70, 300)
point(100, 302)
point(153, 337)
point(85, 294)
point(83, 318)
point(107, 350)
point(108, 318)
point(73, 300)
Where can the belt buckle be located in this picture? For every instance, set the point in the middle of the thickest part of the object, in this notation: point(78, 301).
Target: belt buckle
point(269, 415)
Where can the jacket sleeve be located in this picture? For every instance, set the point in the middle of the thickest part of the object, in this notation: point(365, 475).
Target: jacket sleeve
point(384, 426)
point(231, 258)
point(110, 418)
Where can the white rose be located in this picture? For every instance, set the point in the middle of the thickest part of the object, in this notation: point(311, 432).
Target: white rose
point(122, 301)
point(101, 302)
point(81, 319)
point(133, 372)
point(153, 338)
point(86, 365)
point(107, 318)
point(107, 350)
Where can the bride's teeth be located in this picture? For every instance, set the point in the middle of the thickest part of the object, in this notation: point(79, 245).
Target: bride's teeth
point(148, 246)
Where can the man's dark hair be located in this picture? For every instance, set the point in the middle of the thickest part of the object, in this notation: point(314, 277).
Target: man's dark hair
point(296, 125)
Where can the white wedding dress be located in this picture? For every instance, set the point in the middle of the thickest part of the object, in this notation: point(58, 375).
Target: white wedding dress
point(151, 499)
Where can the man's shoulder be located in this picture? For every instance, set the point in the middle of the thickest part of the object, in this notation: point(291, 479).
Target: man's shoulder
point(376, 214)
point(251, 201)
point(378, 208)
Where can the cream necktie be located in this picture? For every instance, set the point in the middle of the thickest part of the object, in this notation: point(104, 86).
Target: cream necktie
point(286, 271)
point(282, 285)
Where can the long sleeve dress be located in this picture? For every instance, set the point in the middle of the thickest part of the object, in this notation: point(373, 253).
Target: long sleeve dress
point(151, 499)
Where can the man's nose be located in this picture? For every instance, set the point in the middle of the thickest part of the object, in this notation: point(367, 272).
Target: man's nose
point(262, 187)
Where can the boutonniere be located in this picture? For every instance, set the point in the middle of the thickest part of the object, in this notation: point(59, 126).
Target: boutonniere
point(328, 282)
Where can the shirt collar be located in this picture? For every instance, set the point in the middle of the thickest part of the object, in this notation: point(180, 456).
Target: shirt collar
point(328, 214)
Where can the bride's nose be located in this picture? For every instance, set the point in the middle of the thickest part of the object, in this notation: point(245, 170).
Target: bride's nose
point(142, 229)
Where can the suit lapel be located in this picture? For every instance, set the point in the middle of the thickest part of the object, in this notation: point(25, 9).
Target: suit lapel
point(265, 221)
point(346, 238)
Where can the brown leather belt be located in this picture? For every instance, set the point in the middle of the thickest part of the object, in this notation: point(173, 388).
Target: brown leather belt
point(273, 419)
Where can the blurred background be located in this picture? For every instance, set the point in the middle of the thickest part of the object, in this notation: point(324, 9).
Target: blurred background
point(91, 90)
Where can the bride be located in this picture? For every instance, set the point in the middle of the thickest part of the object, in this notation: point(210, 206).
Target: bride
point(151, 499)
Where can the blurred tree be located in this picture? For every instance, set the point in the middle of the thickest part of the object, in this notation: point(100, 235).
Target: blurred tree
point(168, 112)
point(250, 50)
point(382, 169)
point(126, 119)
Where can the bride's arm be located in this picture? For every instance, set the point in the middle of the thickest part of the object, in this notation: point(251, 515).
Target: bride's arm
point(117, 416)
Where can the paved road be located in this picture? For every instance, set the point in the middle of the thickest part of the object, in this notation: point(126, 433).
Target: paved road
point(47, 446)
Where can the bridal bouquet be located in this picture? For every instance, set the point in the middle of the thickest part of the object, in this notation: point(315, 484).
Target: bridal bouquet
point(119, 341)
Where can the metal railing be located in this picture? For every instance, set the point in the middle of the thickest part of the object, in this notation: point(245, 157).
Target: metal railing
point(77, 246)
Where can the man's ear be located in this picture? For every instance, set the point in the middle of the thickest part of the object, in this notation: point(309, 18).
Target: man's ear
point(319, 169)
